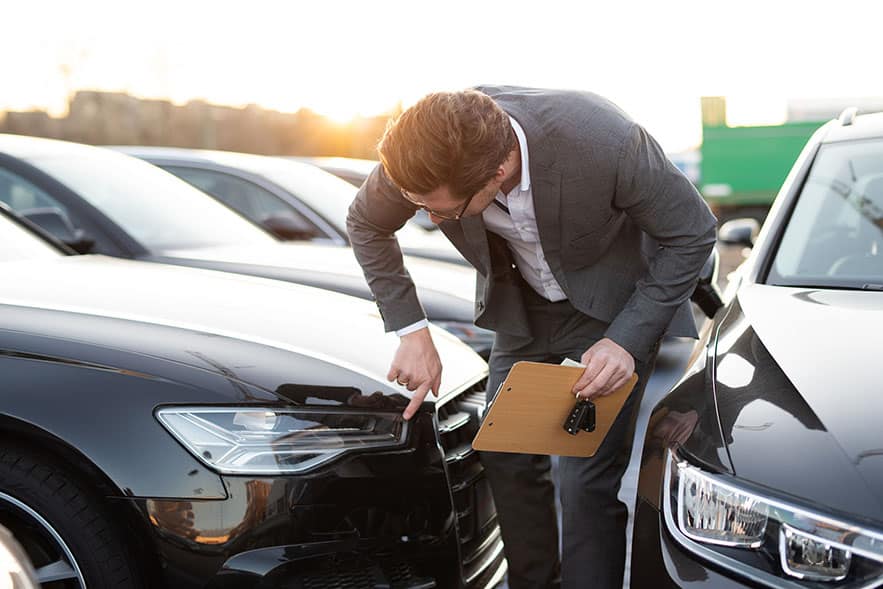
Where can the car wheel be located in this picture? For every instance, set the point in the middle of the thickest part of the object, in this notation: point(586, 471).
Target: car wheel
point(61, 525)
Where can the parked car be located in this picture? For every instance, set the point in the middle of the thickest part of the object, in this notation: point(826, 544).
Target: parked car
point(764, 465)
point(163, 426)
point(100, 201)
point(355, 171)
point(290, 199)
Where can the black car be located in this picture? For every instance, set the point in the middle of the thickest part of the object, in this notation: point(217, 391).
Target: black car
point(763, 467)
point(163, 426)
point(100, 201)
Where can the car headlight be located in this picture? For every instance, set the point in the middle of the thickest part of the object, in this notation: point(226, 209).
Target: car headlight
point(269, 441)
point(763, 538)
point(477, 338)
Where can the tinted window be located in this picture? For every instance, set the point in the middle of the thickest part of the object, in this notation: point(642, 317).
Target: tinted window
point(247, 198)
point(21, 196)
point(154, 207)
point(835, 234)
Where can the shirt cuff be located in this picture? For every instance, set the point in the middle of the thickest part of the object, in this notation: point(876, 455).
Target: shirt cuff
point(412, 328)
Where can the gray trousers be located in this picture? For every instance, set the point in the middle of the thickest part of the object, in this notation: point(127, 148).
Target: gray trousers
point(593, 518)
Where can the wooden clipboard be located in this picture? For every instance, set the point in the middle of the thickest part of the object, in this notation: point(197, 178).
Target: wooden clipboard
point(530, 409)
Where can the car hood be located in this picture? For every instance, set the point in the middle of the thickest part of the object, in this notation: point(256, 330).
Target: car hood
point(797, 378)
point(331, 328)
point(451, 279)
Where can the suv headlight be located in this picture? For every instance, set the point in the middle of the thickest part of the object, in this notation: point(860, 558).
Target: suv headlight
point(765, 539)
point(269, 441)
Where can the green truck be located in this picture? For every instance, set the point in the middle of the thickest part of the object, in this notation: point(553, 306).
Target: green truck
point(742, 168)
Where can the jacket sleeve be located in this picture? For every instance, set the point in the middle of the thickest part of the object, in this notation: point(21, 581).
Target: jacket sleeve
point(377, 212)
point(666, 206)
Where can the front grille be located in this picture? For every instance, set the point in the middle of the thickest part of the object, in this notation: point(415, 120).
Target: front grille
point(480, 543)
point(384, 573)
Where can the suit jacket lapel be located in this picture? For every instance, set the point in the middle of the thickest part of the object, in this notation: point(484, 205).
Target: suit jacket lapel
point(546, 188)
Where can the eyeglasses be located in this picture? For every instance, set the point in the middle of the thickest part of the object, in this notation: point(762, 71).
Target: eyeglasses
point(446, 216)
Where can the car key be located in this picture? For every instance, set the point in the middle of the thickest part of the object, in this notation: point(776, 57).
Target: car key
point(581, 417)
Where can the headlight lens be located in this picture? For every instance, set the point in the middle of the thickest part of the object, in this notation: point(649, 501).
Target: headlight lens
point(711, 515)
point(267, 441)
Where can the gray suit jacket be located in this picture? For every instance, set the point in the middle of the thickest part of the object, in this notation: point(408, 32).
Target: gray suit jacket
point(624, 232)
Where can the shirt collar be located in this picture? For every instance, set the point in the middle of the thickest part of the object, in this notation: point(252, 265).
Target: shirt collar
point(522, 144)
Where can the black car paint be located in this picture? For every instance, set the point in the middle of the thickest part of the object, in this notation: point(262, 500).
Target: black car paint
point(86, 387)
point(798, 460)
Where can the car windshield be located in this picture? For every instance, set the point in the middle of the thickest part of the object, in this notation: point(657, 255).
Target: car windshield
point(157, 209)
point(17, 244)
point(834, 237)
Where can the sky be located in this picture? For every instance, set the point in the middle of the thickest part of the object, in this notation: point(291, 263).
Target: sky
point(346, 58)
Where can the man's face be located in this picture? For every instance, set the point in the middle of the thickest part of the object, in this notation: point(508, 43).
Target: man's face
point(443, 206)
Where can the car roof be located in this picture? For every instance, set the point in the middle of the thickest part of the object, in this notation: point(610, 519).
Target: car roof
point(24, 147)
point(249, 162)
point(867, 126)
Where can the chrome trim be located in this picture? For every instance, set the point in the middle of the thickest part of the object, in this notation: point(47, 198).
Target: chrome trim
point(494, 536)
point(486, 562)
point(48, 528)
point(453, 422)
point(459, 453)
point(499, 575)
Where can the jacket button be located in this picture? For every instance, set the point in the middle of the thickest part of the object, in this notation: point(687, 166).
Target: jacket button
point(480, 305)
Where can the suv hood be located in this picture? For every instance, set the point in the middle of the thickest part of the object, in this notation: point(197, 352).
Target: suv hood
point(799, 392)
point(326, 326)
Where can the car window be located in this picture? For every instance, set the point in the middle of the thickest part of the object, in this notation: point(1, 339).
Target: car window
point(835, 234)
point(154, 207)
point(21, 195)
point(247, 198)
point(17, 243)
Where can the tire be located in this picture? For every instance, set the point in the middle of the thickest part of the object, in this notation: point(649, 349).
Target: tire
point(62, 523)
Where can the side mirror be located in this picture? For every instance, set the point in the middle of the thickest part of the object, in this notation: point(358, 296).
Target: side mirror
point(739, 232)
point(707, 294)
point(56, 223)
point(289, 228)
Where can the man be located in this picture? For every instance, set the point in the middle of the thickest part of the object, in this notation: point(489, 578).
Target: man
point(587, 242)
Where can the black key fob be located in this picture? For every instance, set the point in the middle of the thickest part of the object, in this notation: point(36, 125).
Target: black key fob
point(581, 417)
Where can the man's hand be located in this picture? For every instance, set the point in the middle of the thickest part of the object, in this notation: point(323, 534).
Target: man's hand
point(416, 366)
point(608, 367)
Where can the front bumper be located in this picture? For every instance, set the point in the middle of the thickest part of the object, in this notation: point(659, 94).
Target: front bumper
point(659, 562)
point(416, 517)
